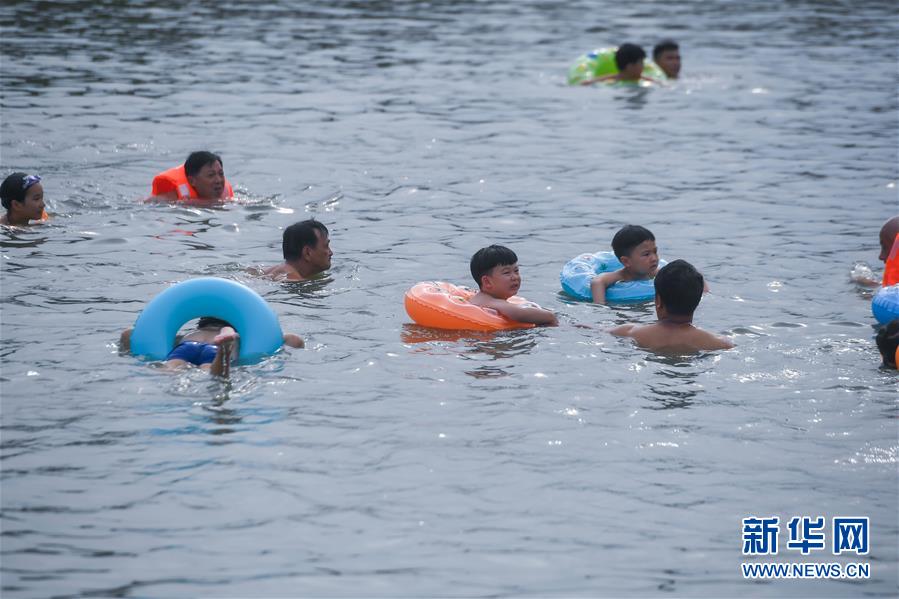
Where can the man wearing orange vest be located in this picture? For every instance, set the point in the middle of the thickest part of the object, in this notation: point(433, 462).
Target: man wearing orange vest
point(889, 251)
point(201, 177)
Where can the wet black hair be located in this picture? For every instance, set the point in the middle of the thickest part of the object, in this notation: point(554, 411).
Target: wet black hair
point(628, 53)
point(299, 235)
point(679, 287)
point(212, 321)
point(197, 160)
point(887, 341)
point(629, 237)
point(664, 46)
point(11, 189)
point(485, 259)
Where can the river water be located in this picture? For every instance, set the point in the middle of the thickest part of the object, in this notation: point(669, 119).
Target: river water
point(389, 460)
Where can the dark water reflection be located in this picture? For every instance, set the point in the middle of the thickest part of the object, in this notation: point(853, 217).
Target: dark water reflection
point(407, 461)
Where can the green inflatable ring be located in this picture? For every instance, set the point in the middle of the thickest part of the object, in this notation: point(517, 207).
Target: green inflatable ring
point(601, 62)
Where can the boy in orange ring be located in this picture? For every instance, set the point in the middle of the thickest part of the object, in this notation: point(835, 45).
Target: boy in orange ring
point(678, 292)
point(23, 197)
point(201, 178)
point(635, 247)
point(212, 346)
point(888, 343)
point(495, 269)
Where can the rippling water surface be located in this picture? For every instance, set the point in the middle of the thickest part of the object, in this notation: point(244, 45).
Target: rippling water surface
point(389, 460)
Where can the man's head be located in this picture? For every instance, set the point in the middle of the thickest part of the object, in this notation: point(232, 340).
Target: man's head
point(495, 270)
point(635, 247)
point(206, 174)
point(888, 342)
point(887, 237)
point(678, 289)
point(666, 54)
point(23, 195)
point(308, 242)
point(629, 60)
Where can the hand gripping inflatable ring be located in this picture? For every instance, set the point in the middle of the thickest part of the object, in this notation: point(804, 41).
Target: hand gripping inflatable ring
point(577, 274)
point(256, 323)
point(445, 306)
point(885, 304)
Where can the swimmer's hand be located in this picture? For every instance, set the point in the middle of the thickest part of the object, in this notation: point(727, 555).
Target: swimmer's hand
point(862, 274)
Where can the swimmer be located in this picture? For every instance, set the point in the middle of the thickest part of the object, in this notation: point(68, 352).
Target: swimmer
point(307, 252)
point(629, 60)
point(495, 269)
point(212, 346)
point(666, 55)
point(635, 247)
point(888, 343)
point(679, 289)
point(200, 178)
point(23, 197)
point(889, 255)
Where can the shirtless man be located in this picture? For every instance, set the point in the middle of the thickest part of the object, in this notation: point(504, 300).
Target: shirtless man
point(678, 291)
point(307, 252)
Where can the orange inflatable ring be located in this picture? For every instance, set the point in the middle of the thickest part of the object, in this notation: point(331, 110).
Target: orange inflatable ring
point(445, 306)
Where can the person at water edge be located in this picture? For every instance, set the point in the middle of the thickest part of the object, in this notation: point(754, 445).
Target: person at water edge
point(679, 289)
point(495, 270)
point(212, 346)
point(307, 251)
point(889, 255)
point(629, 60)
point(666, 55)
point(201, 178)
point(22, 196)
point(888, 343)
point(635, 247)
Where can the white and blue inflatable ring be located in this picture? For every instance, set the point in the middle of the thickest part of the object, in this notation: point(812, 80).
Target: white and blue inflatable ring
point(578, 273)
point(885, 304)
point(253, 319)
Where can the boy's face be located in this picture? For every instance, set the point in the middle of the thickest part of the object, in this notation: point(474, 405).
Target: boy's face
point(643, 260)
point(632, 71)
point(669, 62)
point(502, 282)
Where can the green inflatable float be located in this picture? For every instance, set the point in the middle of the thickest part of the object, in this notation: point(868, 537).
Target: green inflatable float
point(601, 62)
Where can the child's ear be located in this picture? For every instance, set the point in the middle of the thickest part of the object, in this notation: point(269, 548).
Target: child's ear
point(625, 261)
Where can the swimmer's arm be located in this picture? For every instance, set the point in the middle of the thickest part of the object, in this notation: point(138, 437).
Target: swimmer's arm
point(600, 283)
point(599, 79)
point(523, 313)
point(170, 196)
point(625, 330)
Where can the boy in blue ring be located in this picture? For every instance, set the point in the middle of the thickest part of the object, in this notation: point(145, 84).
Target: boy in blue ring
point(635, 247)
point(212, 346)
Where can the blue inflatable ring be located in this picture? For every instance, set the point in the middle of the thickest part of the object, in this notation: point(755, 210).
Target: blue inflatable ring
point(256, 323)
point(579, 272)
point(885, 304)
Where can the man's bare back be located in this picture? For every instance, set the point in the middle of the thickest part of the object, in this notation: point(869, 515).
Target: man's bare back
point(672, 337)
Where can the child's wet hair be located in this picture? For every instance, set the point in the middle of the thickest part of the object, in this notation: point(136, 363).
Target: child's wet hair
point(211, 321)
point(627, 54)
point(679, 287)
point(629, 237)
point(888, 342)
point(664, 46)
point(485, 259)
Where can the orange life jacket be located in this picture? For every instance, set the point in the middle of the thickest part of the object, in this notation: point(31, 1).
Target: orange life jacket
point(891, 268)
point(175, 179)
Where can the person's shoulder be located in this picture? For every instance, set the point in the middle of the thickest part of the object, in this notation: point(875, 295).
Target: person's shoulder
point(705, 340)
point(624, 330)
point(282, 272)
